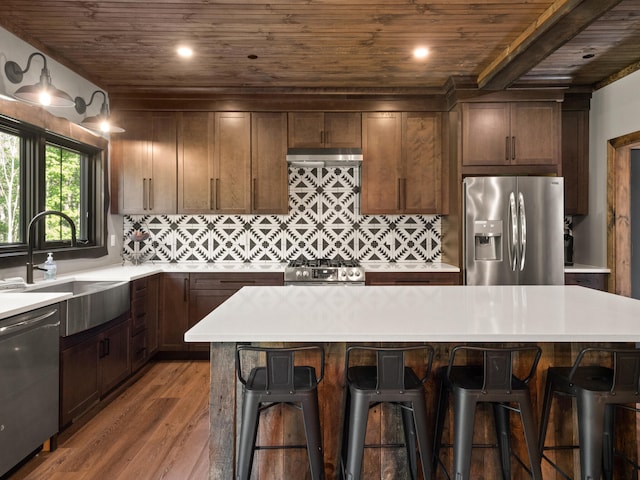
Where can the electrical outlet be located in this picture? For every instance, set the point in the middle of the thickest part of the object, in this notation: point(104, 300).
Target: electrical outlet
point(113, 240)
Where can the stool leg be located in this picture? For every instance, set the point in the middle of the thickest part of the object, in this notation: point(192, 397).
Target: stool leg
point(441, 410)
point(358, 417)
point(248, 432)
point(464, 411)
point(529, 428)
point(424, 446)
point(311, 416)
point(546, 412)
point(608, 439)
point(590, 426)
point(501, 416)
point(409, 427)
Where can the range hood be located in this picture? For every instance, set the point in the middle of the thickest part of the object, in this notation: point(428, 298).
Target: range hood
point(324, 157)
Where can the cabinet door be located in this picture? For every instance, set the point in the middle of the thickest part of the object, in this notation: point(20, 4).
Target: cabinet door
point(575, 161)
point(485, 133)
point(153, 290)
point(79, 388)
point(535, 133)
point(306, 130)
point(162, 195)
point(421, 184)
point(343, 130)
point(130, 154)
point(382, 150)
point(195, 162)
point(115, 362)
point(174, 311)
point(232, 162)
point(268, 163)
point(145, 157)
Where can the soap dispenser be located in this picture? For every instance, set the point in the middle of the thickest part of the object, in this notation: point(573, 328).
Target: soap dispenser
point(50, 268)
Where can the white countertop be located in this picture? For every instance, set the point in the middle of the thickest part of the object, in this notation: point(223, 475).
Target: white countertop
point(17, 303)
point(582, 268)
point(421, 313)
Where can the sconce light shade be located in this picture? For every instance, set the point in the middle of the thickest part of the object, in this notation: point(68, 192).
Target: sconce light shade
point(101, 121)
point(41, 93)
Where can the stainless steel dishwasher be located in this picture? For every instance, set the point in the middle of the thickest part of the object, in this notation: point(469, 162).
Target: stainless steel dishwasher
point(29, 383)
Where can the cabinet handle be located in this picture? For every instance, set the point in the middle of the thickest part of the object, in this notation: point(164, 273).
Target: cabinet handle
point(185, 290)
point(507, 149)
point(144, 193)
point(321, 136)
point(513, 148)
point(211, 194)
point(216, 194)
point(254, 194)
point(150, 194)
point(398, 200)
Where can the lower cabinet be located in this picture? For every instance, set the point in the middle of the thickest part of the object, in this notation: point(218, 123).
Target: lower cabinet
point(185, 299)
point(412, 278)
point(144, 320)
point(597, 281)
point(91, 364)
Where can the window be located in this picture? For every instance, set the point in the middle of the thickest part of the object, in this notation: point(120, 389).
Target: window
point(43, 171)
point(10, 188)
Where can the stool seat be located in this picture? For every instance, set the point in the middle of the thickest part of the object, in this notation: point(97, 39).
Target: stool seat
point(491, 381)
point(390, 381)
point(598, 390)
point(280, 380)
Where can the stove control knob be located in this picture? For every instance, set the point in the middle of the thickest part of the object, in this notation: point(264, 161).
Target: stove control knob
point(298, 273)
point(354, 273)
point(305, 273)
point(343, 273)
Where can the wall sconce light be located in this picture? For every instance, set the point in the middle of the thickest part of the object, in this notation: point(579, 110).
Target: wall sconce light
point(97, 122)
point(41, 93)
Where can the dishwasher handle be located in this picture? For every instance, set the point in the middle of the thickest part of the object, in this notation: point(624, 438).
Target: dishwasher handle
point(24, 324)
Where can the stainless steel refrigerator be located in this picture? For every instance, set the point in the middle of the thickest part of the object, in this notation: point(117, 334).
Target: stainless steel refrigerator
point(513, 230)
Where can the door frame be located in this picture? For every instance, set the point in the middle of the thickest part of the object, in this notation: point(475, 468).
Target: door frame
point(619, 211)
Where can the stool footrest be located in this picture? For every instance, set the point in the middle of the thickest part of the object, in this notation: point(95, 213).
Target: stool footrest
point(278, 447)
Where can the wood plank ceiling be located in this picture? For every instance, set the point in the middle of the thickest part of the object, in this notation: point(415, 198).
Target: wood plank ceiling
point(128, 46)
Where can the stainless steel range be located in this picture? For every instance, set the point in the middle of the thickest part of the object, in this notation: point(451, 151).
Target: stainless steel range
point(324, 272)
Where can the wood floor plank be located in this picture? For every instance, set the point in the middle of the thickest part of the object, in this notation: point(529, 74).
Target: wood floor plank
point(156, 429)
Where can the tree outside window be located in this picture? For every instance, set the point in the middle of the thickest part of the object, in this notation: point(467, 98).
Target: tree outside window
point(63, 175)
point(10, 203)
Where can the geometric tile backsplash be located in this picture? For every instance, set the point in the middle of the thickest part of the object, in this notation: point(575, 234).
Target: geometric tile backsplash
point(324, 221)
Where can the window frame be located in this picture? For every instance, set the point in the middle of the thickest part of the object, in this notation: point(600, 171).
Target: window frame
point(33, 197)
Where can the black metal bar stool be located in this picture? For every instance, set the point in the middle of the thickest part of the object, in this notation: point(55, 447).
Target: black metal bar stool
point(389, 380)
point(280, 380)
point(598, 390)
point(490, 381)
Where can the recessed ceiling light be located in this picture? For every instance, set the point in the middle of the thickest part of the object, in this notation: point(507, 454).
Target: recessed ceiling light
point(421, 52)
point(185, 52)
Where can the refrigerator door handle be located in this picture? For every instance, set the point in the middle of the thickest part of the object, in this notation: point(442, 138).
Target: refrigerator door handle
point(523, 230)
point(513, 238)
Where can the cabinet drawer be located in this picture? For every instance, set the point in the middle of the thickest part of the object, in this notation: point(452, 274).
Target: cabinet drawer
point(233, 281)
point(597, 281)
point(138, 350)
point(412, 278)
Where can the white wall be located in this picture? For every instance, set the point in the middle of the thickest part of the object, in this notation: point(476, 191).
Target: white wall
point(12, 48)
point(615, 111)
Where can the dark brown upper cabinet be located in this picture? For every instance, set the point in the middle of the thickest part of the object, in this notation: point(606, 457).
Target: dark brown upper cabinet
point(325, 130)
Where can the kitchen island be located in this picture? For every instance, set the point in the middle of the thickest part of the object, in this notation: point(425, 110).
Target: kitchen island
point(560, 319)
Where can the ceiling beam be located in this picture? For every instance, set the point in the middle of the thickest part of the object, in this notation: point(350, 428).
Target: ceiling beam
point(558, 24)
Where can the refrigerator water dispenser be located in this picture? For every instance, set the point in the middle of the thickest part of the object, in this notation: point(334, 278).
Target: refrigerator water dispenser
point(488, 239)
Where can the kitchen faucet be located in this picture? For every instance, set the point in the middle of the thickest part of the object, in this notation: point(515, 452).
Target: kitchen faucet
point(30, 240)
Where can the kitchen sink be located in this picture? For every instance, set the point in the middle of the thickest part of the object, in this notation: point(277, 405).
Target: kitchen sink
point(92, 302)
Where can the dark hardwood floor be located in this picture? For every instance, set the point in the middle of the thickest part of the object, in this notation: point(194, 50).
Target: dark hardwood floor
point(158, 428)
